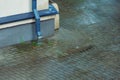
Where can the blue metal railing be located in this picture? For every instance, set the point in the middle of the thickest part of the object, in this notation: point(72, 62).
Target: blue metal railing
point(29, 15)
point(37, 19)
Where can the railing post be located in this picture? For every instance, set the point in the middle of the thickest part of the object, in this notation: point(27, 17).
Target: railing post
point(37, 19)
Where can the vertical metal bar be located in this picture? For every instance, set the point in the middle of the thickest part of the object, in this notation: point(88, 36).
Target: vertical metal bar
point(34, 4)
point(37, 19)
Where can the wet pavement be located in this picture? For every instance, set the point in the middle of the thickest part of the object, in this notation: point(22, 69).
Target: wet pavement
point(86, 47)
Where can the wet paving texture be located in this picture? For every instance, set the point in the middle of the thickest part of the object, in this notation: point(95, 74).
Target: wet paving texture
point(87, 46)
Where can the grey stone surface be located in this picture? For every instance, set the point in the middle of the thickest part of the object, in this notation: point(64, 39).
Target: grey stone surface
point(85, 48)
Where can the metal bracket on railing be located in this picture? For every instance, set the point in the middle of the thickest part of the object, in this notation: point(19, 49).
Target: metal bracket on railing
point(37, 19)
